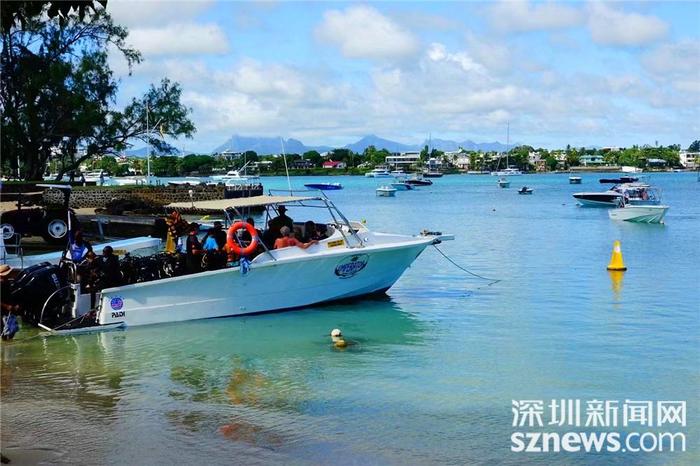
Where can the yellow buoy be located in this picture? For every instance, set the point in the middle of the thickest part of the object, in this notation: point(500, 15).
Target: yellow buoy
point(616, 262)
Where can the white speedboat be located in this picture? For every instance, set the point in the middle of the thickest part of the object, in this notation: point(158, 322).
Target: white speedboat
point(379, 173)
point(351, 261)
point(97, 176)
point(628, 169)
point(503, 182)
point(399, 174)
point(640, 213)
point(621, 194)
point(386, 191)
point(188, 181)
point(507, 172)
point(574, 180)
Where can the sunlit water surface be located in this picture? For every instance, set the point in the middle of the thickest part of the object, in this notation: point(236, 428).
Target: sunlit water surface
point(434, 366)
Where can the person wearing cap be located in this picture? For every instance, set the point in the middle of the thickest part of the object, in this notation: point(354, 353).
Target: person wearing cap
point(282, 220)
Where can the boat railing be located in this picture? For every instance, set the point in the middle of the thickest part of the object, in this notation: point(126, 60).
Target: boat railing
point(335, 213)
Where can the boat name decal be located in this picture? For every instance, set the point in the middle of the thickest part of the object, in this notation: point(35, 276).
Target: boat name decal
point(118, 314)
point(351, 266)
point(336, 243)
point(116, 303)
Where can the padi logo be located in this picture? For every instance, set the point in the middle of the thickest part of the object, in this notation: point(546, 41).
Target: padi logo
point(116, 303)
point(352, 265)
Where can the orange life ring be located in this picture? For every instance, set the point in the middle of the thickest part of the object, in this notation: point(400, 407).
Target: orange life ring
point(233, 244)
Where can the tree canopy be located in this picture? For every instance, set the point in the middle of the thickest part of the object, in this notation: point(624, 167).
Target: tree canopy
point(57, 90)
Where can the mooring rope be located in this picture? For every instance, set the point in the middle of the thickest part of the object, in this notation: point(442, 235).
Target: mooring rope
point(449, 259)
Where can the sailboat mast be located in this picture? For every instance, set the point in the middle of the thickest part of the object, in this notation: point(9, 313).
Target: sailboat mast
point(507, 143)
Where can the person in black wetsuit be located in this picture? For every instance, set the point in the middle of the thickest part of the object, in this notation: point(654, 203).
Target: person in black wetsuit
point(109, 269)
point(193, 250)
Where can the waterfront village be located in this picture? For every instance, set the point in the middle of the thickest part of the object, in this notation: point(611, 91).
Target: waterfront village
point(345, 161)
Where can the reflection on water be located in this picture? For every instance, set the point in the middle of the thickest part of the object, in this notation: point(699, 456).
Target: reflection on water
point(616, 277)
point(434, 367)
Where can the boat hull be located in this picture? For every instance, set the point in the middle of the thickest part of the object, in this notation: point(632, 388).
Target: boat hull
point(324, 186)
point(640, 214)
point(271, 286)
point(599, 199)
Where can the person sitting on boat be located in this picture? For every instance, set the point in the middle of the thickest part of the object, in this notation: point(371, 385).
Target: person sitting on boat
point(214, 255)
point(10, 309)
point(193, 250)
point(218, 234)
point(288, 240)
point(311, 233)
point(109, 269)
point(275, 225)
point(78, 247)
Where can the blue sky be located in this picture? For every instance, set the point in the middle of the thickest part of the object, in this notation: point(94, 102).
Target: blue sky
point(580, 73)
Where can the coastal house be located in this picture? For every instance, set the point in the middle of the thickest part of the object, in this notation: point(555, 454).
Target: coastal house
point(334, 164)
point(231, 155)
point(689, 159)
point(462, 161)
point(591, 159)
point(403, 160)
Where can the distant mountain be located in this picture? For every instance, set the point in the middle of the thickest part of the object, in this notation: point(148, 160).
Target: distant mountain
point(142, 152)
point(378, 143)
point(271, 145)
point(266, 145)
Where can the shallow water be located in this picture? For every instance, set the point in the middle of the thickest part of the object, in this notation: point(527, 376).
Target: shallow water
point(434, 366)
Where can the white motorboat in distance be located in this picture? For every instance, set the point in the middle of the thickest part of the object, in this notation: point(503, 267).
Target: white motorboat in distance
point(379, 173)
point(386, 191)
point(503, 182)
point(351, 261)
point(639, 213)
point(574, 180)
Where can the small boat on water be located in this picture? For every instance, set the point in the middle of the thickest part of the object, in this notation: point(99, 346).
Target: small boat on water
point(189, 181)
point(324, 186)
point(620, 180)
point(628, 169)
point(621, 194)
point(507, 172)
point(402, 186)
point(350, 261)
point(418, 180)
point(379, 172)
point(97, 176)
point(399, 174)
point(574, 180)
point(386, 191)
point(503, 182)
point(639, 213)
point(525, 190)
point(432, 174)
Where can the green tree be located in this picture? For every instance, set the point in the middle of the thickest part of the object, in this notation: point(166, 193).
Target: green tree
point(694, 146)
point(57, 88)
point(551, 162)
point(164, 166)
point(314, 157)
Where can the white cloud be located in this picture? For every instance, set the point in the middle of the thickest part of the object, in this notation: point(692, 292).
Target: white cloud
point(609, 26)
point(179, 39)
point(521, 16)
point(148, 13)
point(676, 58)
point(363, 32)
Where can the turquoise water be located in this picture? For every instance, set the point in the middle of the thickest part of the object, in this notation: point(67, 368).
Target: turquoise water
point(435, 364)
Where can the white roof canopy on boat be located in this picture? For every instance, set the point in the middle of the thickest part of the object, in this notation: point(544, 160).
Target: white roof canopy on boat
point(241, 202)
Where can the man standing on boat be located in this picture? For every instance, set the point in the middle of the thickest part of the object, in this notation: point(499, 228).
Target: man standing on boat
point(275, 225)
